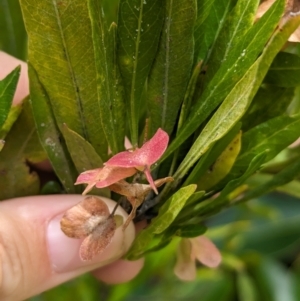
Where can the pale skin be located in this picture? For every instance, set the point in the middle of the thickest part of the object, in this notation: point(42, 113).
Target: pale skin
point(34, 254)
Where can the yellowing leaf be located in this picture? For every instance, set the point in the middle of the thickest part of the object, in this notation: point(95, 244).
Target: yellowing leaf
point(222, 166)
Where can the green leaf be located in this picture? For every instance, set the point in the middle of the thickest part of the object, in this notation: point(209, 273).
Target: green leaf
point(84, 156)
point(110, 91)
point(225, 81)
point(211, 15)
point(246, 287)
point(222, 165)
point(273, 135)
point(10, 120)
point(172, 68)
point(7, 91)
point(190, 231)
point(82, 152)
point(49, 134)
point(13, 36)
point(228, 45)
point(284, 71)
point(60, 51)
point(195, 197)
point(139, 25)
point(238, 100)
point(283, 177)
point(274, 281)
point(212, 205)
point(187, 101)
point(170, 209)
point(292, 188)
point(269, 102)
point(21, 146)
point(211, 155)
point(167, 213)
point(272, 238)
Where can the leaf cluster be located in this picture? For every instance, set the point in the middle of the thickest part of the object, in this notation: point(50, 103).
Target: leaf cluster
point(206, 72)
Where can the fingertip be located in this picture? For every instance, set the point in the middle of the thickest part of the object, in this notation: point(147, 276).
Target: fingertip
point(120, 271)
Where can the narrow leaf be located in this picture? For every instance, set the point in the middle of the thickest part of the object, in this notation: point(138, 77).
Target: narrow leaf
point(222, 166)
point(190, 231)
point(170, 209)
point(13, 36)
point(59, 35)
point(169, 76)
point(283, 177)
point(273, 135)
point(237, 24)
point(167, 214)
point(211, 155)
point(10, 120)
point(49, 134)
point(110, 92)
point(7, 91)
point(217, 203)
point(284, 71)
point(211, 15)
point(225, 80)
point(139, 25)
point(238, 100)
point(269, 102)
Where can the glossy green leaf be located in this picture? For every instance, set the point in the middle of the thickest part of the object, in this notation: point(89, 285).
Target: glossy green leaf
point(110, 91)
point(222, 165)
point(13, 36)
point(269, 102)
point(273, 135)
point(284, 71)
point(50, 137)
point(170, 75)
point(225, 81)
point(227, 46)
point(21, 146)
point(167, 213)
point(139, 25)
point(211, 15)
point(61, 52)
point(7, 91)
point(228, 114)
point(238, 100)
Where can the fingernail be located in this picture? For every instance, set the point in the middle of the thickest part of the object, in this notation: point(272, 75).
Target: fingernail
point(64, 251)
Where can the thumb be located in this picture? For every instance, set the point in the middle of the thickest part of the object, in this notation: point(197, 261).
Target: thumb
point(35, 255)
